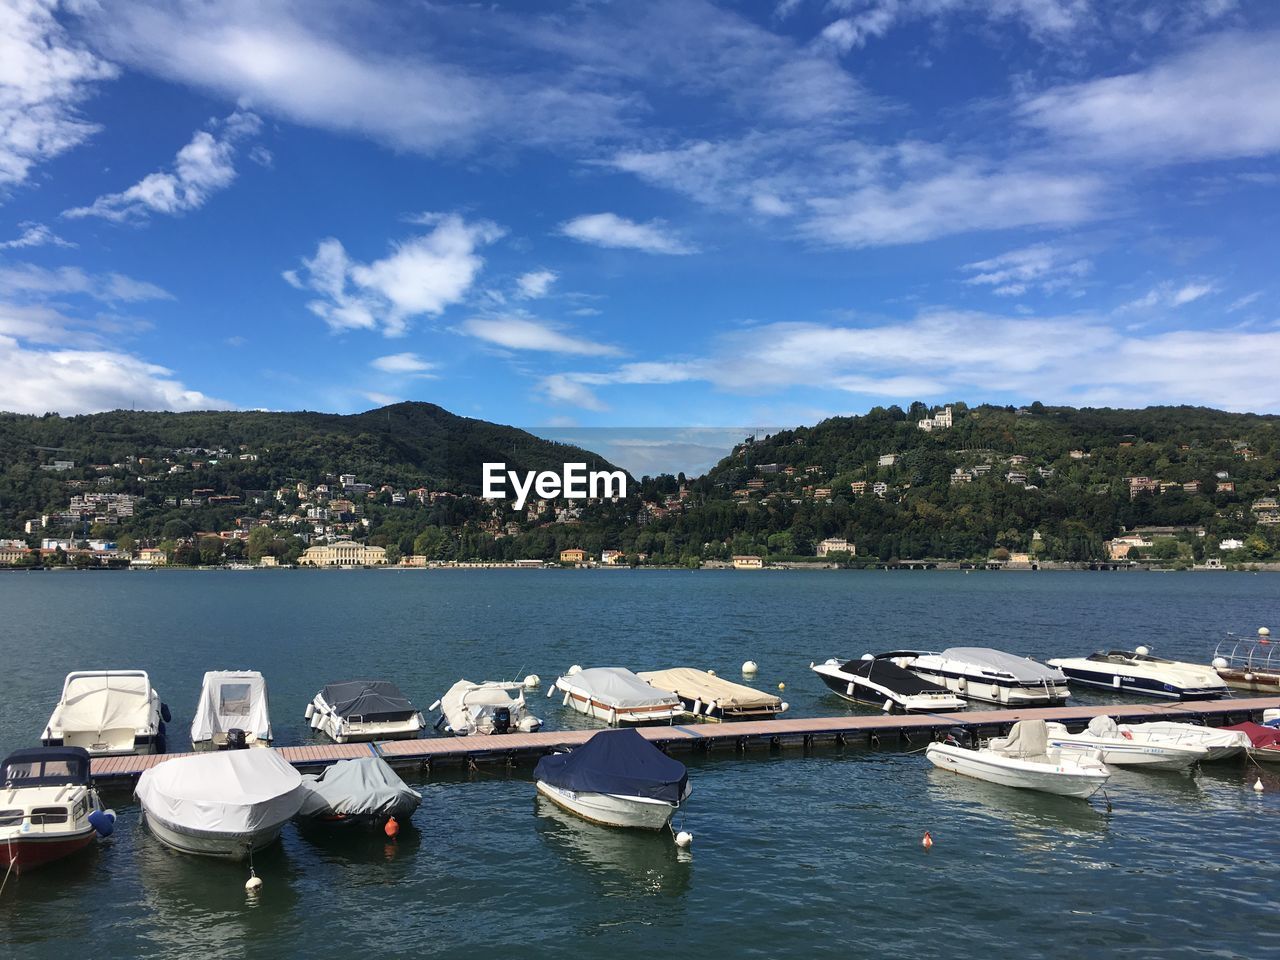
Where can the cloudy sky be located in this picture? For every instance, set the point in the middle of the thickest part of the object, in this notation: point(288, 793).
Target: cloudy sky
point(662, 214)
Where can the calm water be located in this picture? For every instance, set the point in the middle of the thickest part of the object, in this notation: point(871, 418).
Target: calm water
point(795, 855)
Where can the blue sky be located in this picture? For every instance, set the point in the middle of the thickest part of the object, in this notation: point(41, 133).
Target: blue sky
point(671, 214)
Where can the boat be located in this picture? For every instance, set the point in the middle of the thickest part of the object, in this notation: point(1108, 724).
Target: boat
point(884, 684)
point(1023, 759)
point(1264, 741)
point(364, 791)
point(1250, 664)
point(491, 707)
point(616, 695)
point(226, 804)
point(109, 713)
point(708, 697)
point(49, 808)
point(617, 779)
point(357, 711)
point(1219, 742)
point(1140, 672)
point(981, 673)
point(1127, 747)
point(232, 711)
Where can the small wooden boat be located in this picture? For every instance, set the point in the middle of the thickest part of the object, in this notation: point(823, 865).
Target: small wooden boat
point(49, 808)
point(109, 713)
point(358, 711)
point(616, 696)
point(1127, 747)
point(1249, 664)
point(708, 697)
point(1023, 760)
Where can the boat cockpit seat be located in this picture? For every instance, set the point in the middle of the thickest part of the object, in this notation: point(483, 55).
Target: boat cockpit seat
point(1027, 738)
point(1104, 727)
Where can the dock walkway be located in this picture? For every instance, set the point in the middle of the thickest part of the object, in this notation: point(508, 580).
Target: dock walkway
point(858, 729)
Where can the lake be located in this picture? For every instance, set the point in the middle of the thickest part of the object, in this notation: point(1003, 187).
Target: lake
point(795, 854)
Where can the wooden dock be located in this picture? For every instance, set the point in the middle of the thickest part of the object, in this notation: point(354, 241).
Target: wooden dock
point(883, 730)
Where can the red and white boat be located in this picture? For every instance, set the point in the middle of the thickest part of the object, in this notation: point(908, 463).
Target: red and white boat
point(48, 807)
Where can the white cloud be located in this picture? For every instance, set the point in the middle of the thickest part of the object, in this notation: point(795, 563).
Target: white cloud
point(535, 284)
point(34, 235)
point(1247, 300)
point(1043, 19)
point(381, 399)
point(564, 389)
point(44, 77)
point(29, 280)
point(1219, 100)
point(403, 364)
point(203, 167)
point(421, 276)
point(1172, 295)
point(1044, 266)
point(611, 230)
point(515, 332)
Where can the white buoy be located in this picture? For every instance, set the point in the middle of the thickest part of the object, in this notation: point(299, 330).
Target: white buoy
point(684, 839)
point(750, 667)
point(865, 656)
point(1220, 663)
point(573, 671)
point(1264, 632)
point(782, 686)
point(1143, 651)
point(711, 673)
point(532, 682)
point(253, 884)
point(1257, 785)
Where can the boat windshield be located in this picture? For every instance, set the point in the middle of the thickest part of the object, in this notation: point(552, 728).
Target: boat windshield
point(34, 770)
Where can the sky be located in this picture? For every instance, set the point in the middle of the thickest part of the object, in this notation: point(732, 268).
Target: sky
point(657, 222)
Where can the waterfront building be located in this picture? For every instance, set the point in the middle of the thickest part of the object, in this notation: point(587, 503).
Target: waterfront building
point(612, 557)
point(343, 553)
point(150, 557)
point(573, 555)
point(835, 545)
point(748, 563)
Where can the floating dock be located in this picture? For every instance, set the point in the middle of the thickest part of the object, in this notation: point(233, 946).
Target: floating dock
point(883, 730)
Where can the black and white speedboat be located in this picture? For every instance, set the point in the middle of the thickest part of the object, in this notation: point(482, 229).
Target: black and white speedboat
point(1139, 672)
point(992, 676)
point(884, 684)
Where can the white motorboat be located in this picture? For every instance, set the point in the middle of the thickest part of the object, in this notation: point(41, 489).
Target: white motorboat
point(617, 779)
point(225, 804)
point(363, 791)
point(485, 708)
point(108, 713)
point(884, 684)
point(1251, 664)
point(1139, 672)
point(49, 808)
point(232, 711)
point(1023, 759)
point(981, 673)
point(1219, 743)
point(358, 711)
point(706, 696)
point(1128, 746)
point(616, 696)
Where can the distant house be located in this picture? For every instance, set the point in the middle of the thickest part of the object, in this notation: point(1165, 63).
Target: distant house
point(880, 488)
point(939, 421)
point(413, 560)
point(612, 557)
point(1226, 486)
point(835, 545)
point(343, 553)
point(858, 487)
point(573, 555)
point(151, 557)
point(1231, 544)
point(1078, 454)
point(1118, 549)
point(748, 563)
point(268, 561)
point(888, 459)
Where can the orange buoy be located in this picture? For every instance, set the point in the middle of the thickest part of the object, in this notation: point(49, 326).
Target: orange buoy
point(927, 842)
point(392, 828)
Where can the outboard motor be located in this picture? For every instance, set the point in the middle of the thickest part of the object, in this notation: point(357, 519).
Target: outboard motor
point(236, 739)
point(961, 737)
point(501, 719)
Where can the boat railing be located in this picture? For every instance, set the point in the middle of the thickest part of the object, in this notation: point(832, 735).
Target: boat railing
point(1249, 653)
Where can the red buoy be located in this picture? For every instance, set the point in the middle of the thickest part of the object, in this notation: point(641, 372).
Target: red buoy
point(392, 828)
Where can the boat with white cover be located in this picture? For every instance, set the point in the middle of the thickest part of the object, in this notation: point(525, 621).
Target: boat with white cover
point(982, 673)
point(1219, 742)
point(617, 779)
point(363, 791)
point(1139, 672)
point(616, 696)
point(1023, 760)
point(491, 707)
point(708, 697)
point(884, 684)
point(1251, 664)
point(49, 808)
point(1127, 747)
point(108, 713)
point(358, 711)
point(226, 804)
point(232, 711)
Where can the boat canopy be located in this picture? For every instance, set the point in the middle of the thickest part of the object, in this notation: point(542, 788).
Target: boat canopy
point(232, 700)
point(1260, 734)
point(366, 787)
point(368, 700)
point(696, 684)
point(619, 687)
point(104, 700)
point(45, 767)
point(1022, 669)
point(618, 762)
point(889, 674)
point(231, 791)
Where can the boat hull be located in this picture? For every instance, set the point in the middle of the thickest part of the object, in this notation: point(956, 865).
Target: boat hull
point(1144, 686)
point(23, 854)
point(639, 813)
point(859, 690)
point(628, 716)
point(1251, 681)
point(205, 843)
point(1134, 753)
point(991, 691)
point(1021, 774)
point(141, 746)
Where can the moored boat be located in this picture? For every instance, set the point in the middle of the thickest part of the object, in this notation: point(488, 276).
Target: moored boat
point(1023, 760)
point(616, 696)
point(709, 697)
point(226, 804)
point(1264, 741)
point(1127, 746)
point(1251, 664)
point(884, 684)
point(1140, 672)
point(364, 791)
point(1219, 743)
point(357, 711)
point(617, 779)
point(491, 707)
point(49, 808)
point(108, 713)
point(233, 711)
point(982, 673)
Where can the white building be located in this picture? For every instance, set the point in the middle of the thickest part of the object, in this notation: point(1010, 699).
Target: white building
point(888, 459)
point(1231, 544)
point(939, 421)
point(835, 545)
